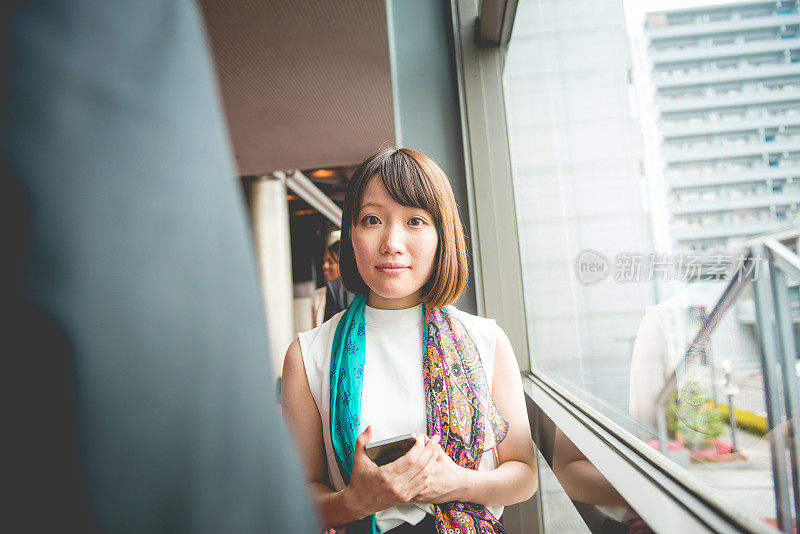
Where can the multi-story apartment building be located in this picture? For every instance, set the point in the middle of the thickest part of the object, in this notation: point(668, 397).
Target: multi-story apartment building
point(726, 80)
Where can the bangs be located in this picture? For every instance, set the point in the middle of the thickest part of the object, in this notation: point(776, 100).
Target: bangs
point(403, 178)
point(407, 184)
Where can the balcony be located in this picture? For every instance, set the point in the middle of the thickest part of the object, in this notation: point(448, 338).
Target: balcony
point(727, 126)
point(763, 200)
point(732, 177)
point(715, 102)
point(727, 75)
point(727, 230)
point(706, 28)
point(675, 155)
point(717, 52)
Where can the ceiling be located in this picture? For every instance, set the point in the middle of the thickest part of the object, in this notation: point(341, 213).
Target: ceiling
point(305, 83)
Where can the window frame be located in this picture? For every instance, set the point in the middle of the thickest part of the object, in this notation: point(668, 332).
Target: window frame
point(660, 491)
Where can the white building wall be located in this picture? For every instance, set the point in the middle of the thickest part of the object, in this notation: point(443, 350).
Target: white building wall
point(576, 155)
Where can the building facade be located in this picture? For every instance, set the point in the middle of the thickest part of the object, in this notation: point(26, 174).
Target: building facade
point(726, 86)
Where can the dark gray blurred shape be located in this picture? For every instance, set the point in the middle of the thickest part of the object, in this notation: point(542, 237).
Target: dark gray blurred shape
point(135, 363)
point(337, 298)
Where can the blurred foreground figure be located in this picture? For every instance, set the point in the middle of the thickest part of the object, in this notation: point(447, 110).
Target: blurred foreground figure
point(136, 366)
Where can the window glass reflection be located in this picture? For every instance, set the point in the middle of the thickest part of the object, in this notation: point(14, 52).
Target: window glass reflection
point(575, 496)
point(645, 173)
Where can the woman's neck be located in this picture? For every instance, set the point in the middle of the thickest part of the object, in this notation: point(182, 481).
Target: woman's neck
point(382, 303)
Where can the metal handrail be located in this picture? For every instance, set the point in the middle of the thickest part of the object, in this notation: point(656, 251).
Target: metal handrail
point(784, 258)
point(785, 263)
point(735, 286)
point(765, 283)
point(774, 261)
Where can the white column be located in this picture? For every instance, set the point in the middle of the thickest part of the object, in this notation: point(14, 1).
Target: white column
point(269, 211)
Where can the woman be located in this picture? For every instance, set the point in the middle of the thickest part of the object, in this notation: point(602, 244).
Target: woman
point(369, 373)
point(330, 272)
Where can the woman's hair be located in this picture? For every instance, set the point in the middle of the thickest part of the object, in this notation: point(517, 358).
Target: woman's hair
point(333, 250)
point(411, 179)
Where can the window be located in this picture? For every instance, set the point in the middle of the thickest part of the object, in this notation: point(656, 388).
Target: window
point(768, 35)
point(616, 285)
point(719, 16)
point(723, 40)
point(727, 64)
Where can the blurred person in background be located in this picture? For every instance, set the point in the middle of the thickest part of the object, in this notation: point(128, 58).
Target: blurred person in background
point(337, 298)
point(330, 272)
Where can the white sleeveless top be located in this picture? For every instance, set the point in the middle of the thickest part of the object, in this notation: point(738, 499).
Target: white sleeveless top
point(393, 399)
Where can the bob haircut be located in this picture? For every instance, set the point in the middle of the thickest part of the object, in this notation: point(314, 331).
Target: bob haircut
point(412, 179)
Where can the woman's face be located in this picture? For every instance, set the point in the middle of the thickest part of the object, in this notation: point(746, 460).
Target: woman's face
point(330, 267)
point(395, 248)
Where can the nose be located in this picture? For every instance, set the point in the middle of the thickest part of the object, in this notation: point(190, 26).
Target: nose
point(393, 239)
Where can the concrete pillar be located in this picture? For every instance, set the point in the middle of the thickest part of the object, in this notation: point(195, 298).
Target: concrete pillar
point(269, 212)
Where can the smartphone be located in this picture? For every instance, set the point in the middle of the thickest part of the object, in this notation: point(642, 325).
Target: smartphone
point(388, 450)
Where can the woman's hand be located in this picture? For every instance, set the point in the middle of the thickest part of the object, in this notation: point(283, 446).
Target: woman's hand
point(374, 488)
point(446, 483)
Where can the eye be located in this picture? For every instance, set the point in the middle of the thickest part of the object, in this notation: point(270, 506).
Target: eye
point(370, 220)
point(416, 221)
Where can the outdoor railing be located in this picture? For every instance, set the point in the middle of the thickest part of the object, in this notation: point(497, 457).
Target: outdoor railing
point(766, 266)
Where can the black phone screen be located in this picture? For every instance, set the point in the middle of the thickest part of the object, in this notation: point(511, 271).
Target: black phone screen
point(389, 450)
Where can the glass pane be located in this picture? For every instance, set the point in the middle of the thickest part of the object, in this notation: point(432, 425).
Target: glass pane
point(558, 511)
point(574, 496)
point(648, 150)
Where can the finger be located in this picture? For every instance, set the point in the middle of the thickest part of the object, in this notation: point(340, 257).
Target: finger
point(408, 459)
point(429, 466)
point(406, 462)
point(364, 438)
point(428, 453)
point(361, 442)
point(421, 478)
point(431, 451)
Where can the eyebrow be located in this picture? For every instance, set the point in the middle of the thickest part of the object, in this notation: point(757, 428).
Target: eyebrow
point(370, 204)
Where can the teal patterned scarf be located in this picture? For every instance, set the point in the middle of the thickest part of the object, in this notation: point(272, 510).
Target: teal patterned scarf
point(459, 406)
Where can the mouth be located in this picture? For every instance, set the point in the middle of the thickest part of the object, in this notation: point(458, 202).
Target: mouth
point(392, 268)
